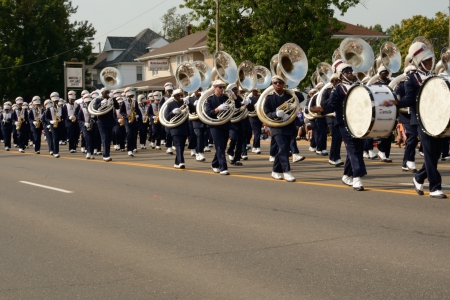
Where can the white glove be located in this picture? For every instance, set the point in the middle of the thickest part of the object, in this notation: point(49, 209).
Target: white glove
point(48, 126)
point(176, 111)
point(186, 99)
point(280, 113)
point(195, 102)
point(154, 117)
point(86, 124)
point(137, 117)
point(16, 123)
point(34, 123)
point(52, 122)
point(247, 101)
point(71, 118)
point(285, 117)
point(104, 101)
point(222, 107)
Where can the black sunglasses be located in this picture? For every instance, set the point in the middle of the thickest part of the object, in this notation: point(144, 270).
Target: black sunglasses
point(177, 95)
point(220, 87)
point(278, 82)
point(347, 71)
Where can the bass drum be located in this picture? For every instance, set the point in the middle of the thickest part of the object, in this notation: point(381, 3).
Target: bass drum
point(364, 115)
point(433, 107)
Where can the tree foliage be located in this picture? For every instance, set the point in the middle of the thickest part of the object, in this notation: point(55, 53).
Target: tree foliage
point(31, 31)
point(174, 25)
point(434, 29)
point(256, 29)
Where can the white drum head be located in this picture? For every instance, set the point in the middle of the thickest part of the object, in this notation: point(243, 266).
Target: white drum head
point(434, 106)
point(358, 111)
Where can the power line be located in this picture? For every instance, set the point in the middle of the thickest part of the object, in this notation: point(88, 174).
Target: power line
point(56, 55)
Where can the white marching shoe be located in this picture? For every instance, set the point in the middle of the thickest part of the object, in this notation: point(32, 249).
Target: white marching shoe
point(410, 166)
point(193, 152)
point(169, 151)
point(357, 184)
point(297, 158)
point(277, 176)
point(130, 153)
point(88, 156)
point(21, 150)
point(438, 194)
point(207, 149)
point(258, 151)
point(288, 177)
point(152, 145)
point(312, 149)
point(347, 180)
point(142, 146)
point(272, 158)
point(372, 154)
point(200, 157)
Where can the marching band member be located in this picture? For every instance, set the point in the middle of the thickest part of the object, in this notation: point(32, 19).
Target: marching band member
point(236, 131)
point(26, 131)
point(246, 127)
point(281, 135)
point(47, 126)
point(320, 129)
point(68, 113)
point(336, 138)
point(35, 116)
point(384, 145)
point(129, 108)
point(19, 134)
point(97, 141)
point(62, 131)
point(255, 123)
point(422, 58)
point(106, 122)
point(150, 101)
point(119, 132)
point(198, 127)
point(354, 167)
point(143, 121)
point(79, 104)
point(53, 117)
point(6, 125)
point(409, 155)
point(86, 122)
point(157, 128)
point(180, 133)
point(168, 88)
point(213, 105)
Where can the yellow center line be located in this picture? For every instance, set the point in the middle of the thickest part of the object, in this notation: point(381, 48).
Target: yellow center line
point(209, 172)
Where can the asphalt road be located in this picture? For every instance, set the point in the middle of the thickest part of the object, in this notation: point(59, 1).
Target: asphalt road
point(136, 228)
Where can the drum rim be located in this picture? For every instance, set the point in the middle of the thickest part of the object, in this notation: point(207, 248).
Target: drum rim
point(418, 114)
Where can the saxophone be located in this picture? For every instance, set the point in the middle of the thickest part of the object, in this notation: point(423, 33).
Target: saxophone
point(74, 119)
point(57, 118)
point(145, 119)
point(20, 120)
point(156, 121)
point(38, 119)
point(132, 116)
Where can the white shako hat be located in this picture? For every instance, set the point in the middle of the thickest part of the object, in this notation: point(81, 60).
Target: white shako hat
point(19, 100)
point(419, 52)
point(71, 95)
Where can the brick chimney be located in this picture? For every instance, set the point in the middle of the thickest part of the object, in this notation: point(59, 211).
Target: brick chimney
point(188, 29)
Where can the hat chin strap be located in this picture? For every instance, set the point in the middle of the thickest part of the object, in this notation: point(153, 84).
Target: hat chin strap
point(423, 67)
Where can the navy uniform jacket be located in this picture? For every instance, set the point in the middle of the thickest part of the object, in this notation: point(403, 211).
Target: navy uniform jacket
point(211, 104)
point(237, 104)
point(109, 119)
point(65, 114)
point(197, 124)
point(123, 109)
point(335, 103)
point(412, 87)
point(81, 119)
point(32, 118)
point(400, 93)
point(183, 128)
point(6, 122)
point(150, 114)
point(15, 117)
point(270, 106)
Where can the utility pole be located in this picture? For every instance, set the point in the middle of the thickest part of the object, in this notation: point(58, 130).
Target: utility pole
point(217, 25)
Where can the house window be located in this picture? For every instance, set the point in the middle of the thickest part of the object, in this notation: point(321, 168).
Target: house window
point(154, 73)
point(180, 59)
point(138, 73)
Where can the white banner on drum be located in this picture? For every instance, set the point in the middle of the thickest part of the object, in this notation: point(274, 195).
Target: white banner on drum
point(74, 77)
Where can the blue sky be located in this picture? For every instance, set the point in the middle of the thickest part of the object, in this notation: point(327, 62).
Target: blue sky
point(106, 15)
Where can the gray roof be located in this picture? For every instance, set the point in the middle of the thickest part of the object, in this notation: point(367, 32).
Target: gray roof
point(135, 47)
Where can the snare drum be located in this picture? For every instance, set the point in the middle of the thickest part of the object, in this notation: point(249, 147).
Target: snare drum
point(364, 115)
point(433, 107)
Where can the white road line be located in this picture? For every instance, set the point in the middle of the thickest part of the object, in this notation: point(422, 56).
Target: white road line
point(47, 187)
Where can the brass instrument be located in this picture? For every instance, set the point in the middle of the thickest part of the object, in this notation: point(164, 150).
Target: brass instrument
point(175, 120)
point(123, 121)
point(292, 65)
point(57, 118)
point(145, 119)
point(132, 116)
point(21, 119)
point(38, 119)
point(390, 58)
point(74, 119)
point(91, 124)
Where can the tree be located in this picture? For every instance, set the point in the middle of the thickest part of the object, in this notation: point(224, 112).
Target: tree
point(174, 25)
point(434, 29)
point(256, 29)
point(39, 31)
